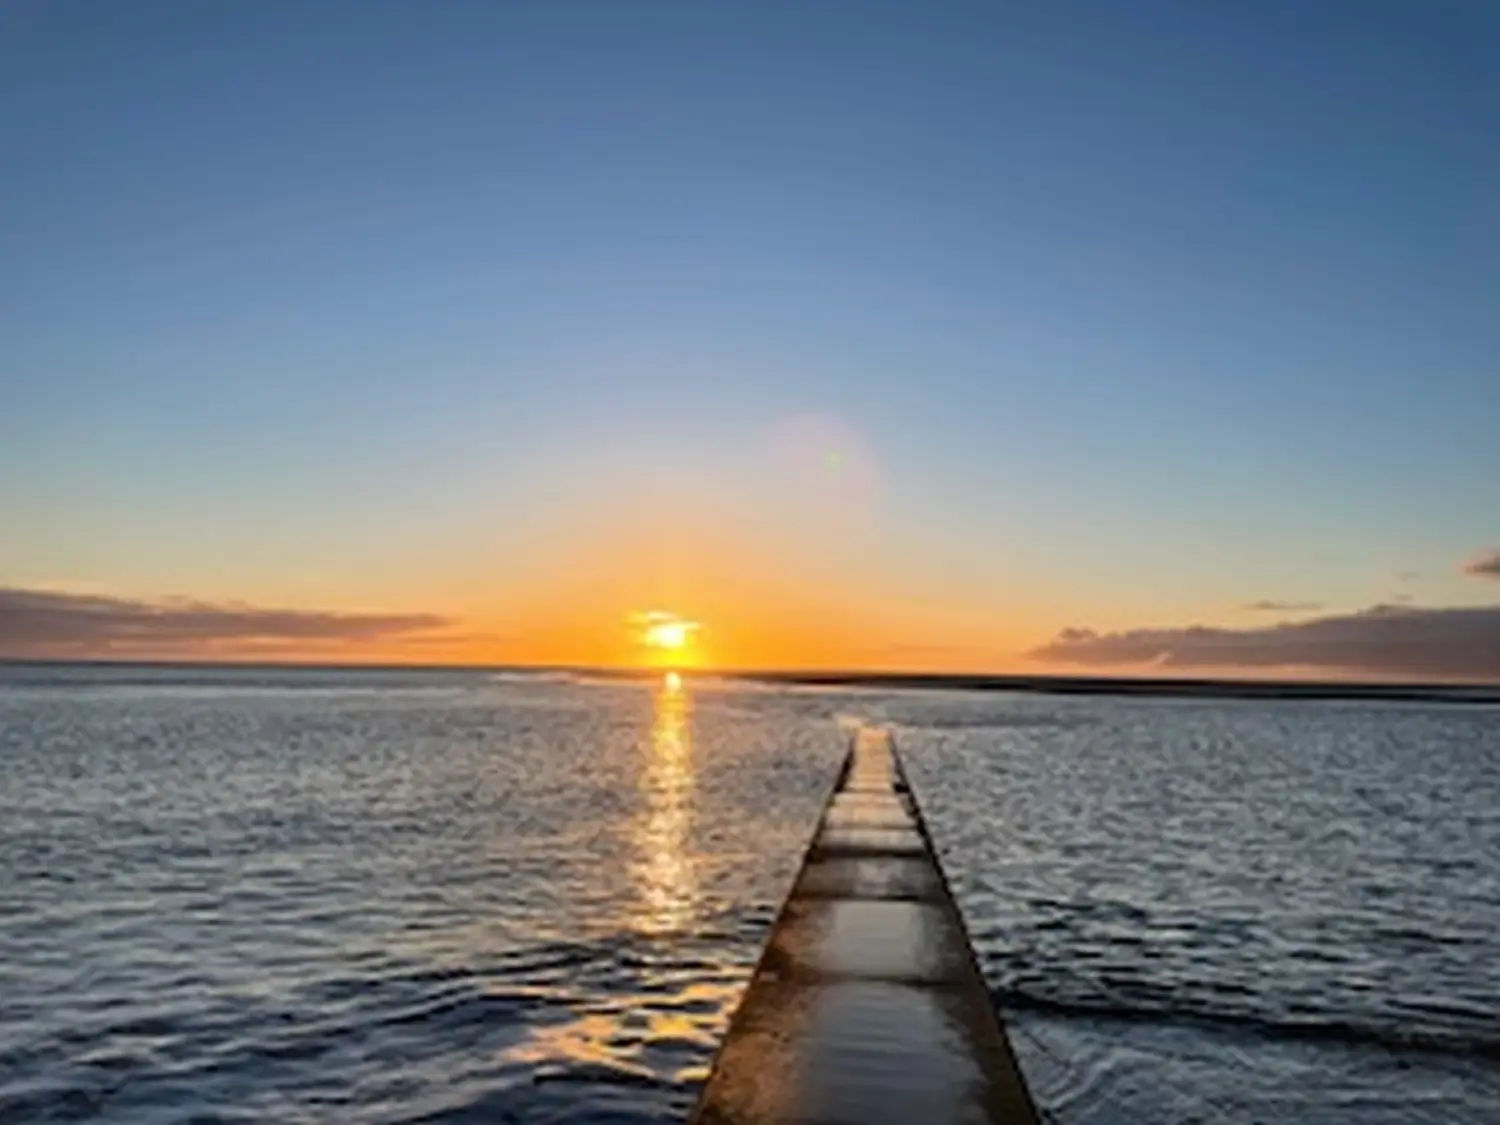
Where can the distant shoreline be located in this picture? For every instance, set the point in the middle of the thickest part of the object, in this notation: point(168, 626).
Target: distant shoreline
point(1171, 687)
point(1176, 687)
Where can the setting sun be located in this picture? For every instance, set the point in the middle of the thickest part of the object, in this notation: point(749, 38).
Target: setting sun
point(666, 634)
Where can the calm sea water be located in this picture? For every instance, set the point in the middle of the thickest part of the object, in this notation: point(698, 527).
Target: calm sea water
point(464, 897)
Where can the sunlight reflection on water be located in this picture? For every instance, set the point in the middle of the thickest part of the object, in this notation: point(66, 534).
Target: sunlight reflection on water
point(668, 1032)
point(663, 869)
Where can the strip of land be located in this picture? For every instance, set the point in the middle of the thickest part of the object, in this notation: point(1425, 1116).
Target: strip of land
point(1124, 685)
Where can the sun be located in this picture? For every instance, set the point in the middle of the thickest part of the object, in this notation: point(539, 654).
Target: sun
point(670, 635)
point(666, 634)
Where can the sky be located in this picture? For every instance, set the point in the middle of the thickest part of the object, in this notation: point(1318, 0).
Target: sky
point(979, 336)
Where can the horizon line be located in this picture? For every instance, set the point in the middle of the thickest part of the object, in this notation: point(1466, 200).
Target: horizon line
point(1482, 691)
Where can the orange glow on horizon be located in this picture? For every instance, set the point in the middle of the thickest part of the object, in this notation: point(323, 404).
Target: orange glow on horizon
point(661, 592)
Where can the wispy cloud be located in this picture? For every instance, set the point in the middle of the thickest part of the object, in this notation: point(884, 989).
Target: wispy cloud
point(54, 623)
point(1271, 605)
point(1486, 565)
point(1385, 640)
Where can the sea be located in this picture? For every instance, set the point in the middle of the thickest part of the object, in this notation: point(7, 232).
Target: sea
point(323, 895)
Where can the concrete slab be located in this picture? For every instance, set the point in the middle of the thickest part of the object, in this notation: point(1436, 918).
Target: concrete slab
point(877, 841)
point(881, 939)
point(870, 810)
point(868, 876)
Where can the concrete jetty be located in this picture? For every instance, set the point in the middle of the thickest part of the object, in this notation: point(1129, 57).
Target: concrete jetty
point(867, 1006)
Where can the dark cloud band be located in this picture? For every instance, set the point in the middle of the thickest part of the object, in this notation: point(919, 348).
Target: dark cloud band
point(46, 622)
point(1406, 641)
point(1486, 565)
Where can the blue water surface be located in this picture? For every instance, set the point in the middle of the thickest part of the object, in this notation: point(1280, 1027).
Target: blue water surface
point(323, 895)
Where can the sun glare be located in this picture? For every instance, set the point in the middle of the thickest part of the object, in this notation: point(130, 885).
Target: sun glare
point(666, 634)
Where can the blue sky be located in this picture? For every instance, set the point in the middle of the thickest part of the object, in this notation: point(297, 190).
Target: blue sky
point(1141, 312)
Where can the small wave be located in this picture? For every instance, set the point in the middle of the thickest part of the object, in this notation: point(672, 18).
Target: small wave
point(1427, 1040)
point(461, 1007)
point(922, 724)
point(602, 1073)
point(537, 676)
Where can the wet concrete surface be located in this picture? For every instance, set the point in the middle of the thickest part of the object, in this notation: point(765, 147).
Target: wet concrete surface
point(867, 1006)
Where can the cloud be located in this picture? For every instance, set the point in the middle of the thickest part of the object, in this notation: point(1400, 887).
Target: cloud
point(1271, 605)
point(52, 623)
point(1486, 565)
point(1384, 640)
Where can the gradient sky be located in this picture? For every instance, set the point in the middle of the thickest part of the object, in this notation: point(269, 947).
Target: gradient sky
point(899, 335)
